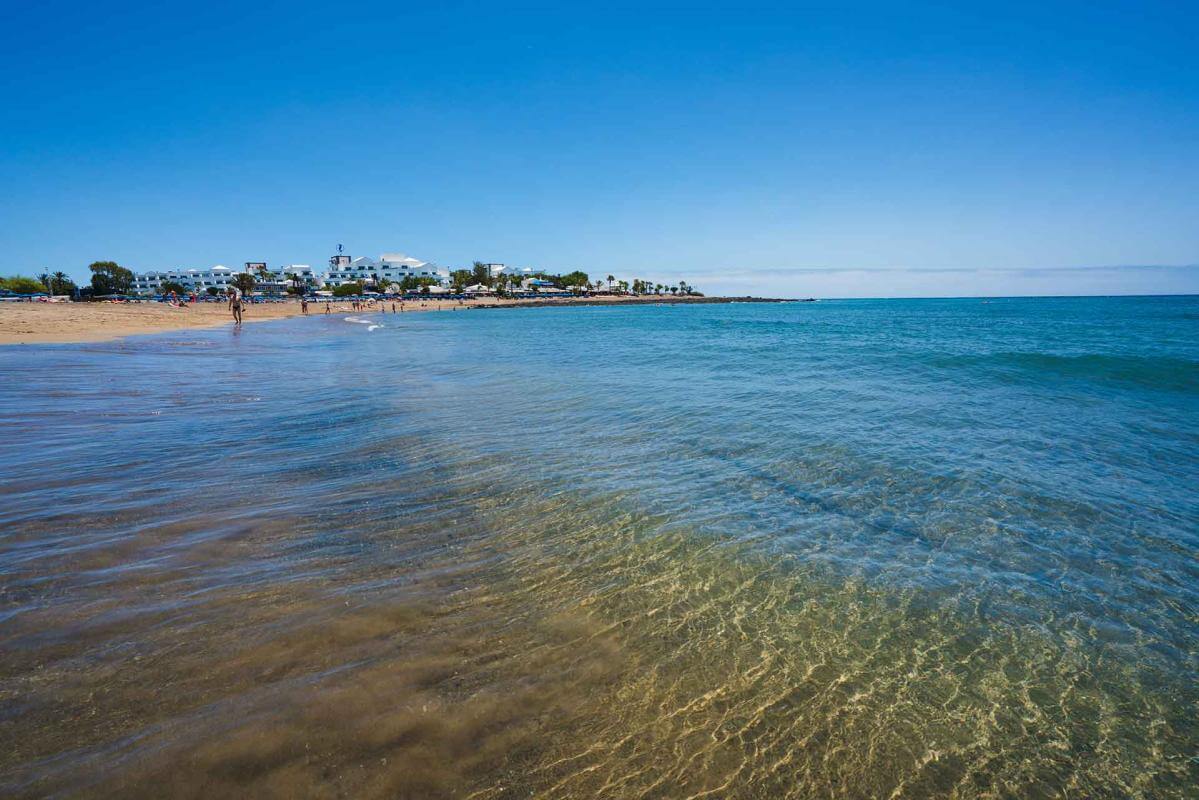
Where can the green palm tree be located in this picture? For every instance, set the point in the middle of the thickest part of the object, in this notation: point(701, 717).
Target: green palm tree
point(244, 281)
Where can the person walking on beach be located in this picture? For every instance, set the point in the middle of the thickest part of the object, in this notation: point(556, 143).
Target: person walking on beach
point(235, 305)
point(304, 306)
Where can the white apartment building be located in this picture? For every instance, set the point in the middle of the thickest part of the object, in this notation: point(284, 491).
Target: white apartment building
point(194, 279)
point(281, 282)
point(389, 267)
point(220, 277)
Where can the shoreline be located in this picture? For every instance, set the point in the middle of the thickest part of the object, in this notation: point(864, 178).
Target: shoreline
point(78, 323)
point(633, 301)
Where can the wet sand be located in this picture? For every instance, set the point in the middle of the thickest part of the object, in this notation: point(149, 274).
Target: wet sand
point(56, 323)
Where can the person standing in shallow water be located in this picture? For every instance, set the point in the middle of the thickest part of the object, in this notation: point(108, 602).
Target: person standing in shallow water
point(235, 305)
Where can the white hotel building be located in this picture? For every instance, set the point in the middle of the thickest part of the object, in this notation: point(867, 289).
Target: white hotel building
point(197, 279)
point(389, 267)
point(220, 277)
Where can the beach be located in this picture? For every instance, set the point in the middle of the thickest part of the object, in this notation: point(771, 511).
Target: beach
point(850, 549)
point(65, 322)
point(599, 401)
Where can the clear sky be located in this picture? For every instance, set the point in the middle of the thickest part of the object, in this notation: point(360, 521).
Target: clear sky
point(829, 149)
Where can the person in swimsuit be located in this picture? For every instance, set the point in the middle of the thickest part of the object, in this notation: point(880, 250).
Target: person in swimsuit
point(235, 306)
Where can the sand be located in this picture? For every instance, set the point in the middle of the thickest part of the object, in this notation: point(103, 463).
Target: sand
point(40, 323)
point(30, 323)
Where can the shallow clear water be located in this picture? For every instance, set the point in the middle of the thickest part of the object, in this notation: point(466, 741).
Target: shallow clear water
point(850, 549)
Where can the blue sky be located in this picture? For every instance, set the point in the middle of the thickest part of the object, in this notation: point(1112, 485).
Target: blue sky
point(794, 149)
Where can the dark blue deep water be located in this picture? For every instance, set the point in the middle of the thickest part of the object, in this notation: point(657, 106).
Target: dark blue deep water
point(839, 549)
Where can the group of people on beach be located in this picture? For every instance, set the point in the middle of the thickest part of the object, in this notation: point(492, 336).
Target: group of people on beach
point(236, 304)
point(369, 305)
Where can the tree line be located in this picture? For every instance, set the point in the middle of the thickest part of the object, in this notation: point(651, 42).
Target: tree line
point(49, 283)
point(576, 280)
point(109, 278)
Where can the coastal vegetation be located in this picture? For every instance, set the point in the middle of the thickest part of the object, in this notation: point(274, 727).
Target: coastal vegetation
point(348, 289)
point(414, 284)
point(461, 278)
point(575, 281)
point(243, 282)
point(57, 283)
point(109, 277)
point(22, 284)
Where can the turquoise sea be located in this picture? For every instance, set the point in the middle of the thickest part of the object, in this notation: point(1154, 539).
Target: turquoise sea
point(858, 549)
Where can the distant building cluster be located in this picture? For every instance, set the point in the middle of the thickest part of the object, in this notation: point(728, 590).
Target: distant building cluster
point(387, 273)
point(387, 268)
point(219, 277)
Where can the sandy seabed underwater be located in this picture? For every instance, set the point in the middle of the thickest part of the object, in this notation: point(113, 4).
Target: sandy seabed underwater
point(938, 548)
